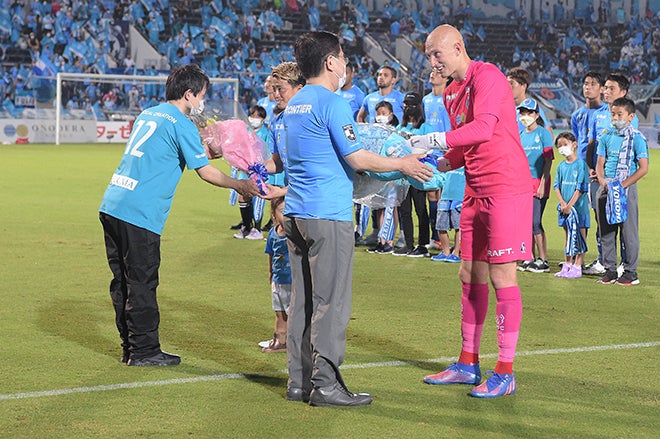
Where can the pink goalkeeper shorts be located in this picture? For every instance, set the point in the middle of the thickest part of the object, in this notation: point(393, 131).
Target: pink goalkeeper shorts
point(497, 229)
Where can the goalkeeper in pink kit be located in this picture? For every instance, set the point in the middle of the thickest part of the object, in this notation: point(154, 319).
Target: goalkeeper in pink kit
point(497, 209)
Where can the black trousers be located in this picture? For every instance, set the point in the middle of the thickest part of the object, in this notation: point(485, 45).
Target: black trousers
point(134, 258)
point(417, 197)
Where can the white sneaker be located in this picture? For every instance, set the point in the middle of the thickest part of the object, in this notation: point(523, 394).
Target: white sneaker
point(433, 245)
point(620, 270)
point(242, 233)
point(265, 343)
point(254, 235)
point(594, 269)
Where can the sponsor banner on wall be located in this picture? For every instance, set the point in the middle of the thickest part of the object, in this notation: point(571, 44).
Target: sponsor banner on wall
point(113, 131)
point(43, 131)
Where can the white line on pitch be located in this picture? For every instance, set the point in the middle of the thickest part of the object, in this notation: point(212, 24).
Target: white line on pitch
point(229, 376)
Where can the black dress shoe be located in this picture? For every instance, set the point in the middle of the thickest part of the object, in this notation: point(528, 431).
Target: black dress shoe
point(337, 396)
point(160, 359)
point(297, 394)
point(125, 356)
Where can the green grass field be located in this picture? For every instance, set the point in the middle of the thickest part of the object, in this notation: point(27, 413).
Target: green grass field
point(588, 353)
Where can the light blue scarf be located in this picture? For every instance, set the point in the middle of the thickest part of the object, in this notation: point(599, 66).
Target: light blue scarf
point(616, 209)
point(575, 243)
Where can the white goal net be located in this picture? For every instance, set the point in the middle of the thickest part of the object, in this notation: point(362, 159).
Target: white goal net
point(91, 108)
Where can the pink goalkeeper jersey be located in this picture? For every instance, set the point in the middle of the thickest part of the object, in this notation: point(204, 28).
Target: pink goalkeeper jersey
point(489, 147)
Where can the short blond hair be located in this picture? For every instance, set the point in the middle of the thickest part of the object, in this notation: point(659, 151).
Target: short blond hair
point(290, 72)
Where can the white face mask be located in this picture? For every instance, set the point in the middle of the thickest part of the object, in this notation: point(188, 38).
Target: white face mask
point(342, 79)
point(383, 119)
point(565, 150)
point(527, 120)
point(255, 122)
point(197, 111)
point(619, 124)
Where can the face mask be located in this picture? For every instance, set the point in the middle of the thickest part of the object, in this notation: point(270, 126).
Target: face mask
point(619, 124)
point(255, 122)
point(342, 79)
point(197, 111)
point(565, 150)
point(383, 119)
point(527, 120)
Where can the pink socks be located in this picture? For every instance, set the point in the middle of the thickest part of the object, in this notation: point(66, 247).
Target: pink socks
point(474, 307)
point(508, 317)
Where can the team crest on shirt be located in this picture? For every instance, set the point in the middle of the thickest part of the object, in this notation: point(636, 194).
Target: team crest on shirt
point(349, 133)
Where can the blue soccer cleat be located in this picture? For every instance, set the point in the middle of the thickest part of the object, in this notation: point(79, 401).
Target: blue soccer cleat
point(495, 386)
point(456, 373)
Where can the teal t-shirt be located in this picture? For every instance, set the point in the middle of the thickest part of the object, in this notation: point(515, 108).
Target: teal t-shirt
point(609, 146)
point(162, 143)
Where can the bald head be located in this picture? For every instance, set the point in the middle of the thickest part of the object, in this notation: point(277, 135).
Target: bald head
point(446, 52)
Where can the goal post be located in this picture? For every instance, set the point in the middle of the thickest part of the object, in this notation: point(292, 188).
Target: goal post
point(82, 118)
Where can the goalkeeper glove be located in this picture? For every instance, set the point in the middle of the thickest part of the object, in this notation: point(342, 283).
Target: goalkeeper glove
point(427, 142)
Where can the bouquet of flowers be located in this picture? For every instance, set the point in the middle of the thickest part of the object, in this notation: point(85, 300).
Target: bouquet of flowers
point(228, 135)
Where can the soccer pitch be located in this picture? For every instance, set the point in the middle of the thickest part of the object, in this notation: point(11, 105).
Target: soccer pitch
point(588, 353)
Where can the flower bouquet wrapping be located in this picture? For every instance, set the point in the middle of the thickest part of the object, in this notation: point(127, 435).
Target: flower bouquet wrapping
point(228, 135)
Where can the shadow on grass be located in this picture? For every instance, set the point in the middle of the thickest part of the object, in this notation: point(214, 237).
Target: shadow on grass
point(79, 321)
point(275, 384)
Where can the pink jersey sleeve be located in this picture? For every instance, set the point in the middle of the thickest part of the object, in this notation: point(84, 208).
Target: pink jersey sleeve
point(485, 130)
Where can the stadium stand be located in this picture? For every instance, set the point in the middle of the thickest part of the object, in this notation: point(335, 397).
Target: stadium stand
point(244, 39)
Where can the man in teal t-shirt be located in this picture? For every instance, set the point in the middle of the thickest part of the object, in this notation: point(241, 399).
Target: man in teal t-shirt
point(136, 204)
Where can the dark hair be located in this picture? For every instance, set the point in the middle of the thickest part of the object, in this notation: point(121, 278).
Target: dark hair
point(624, 83)
point(185, 78)
point(258, 110)
point(565, 135)
point(276, 202)
point(388, 105)
point(312, 49)
point(413, 109)
point(595, 75)
point(520, 75)
point(391, 69)
point(626, 103)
